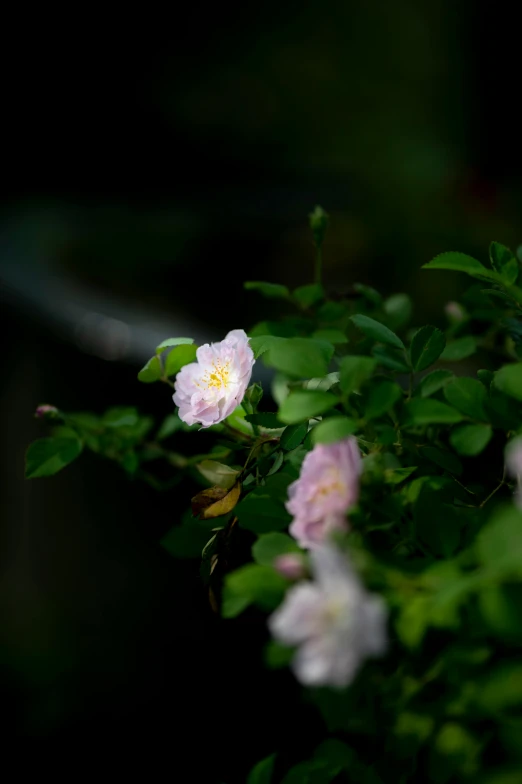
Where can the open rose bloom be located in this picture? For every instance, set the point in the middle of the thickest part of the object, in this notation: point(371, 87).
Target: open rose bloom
point(208, 391)
point(327, 487)
point(334, 622)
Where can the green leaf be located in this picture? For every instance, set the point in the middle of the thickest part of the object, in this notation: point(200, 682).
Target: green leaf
point(178, 357)
point(261, 513)
point(170, 425)
point(218, 473)
point(470, 440)
point(459, 349)
point(426, 347)
point(253, 584)
point(499, 543)
point(334, 336)
point(398, 308)
point(130, 462)
point(269, 290)
point(442, 458)
point(300, 357)
point(185, 541)
point(307, 296)
point(467, 395)
point(485, 377)
point(369, 293)
point(413, 621)
point(354, 371)
point(269, 546)
point(264, 419)
point(501, 607)
point(377, 331)
point(436, 523)
point(434, 381)
point(424, 411)
point(47, 456)
point(293, 435)
point(304, 404)
point(262, 772)
point(120, 417)
point(502, 688)
point(460, 262)
point(504, 262)
point(391, 358)
point(262, 343)
point(169, 342)
point(509, 380)
point(394, 476)
point(333, 429)
point(325, 383)
point(151, 371)
point(278, 462)
point(383, 396)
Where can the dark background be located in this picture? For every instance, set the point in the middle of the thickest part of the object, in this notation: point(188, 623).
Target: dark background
point(149, 166)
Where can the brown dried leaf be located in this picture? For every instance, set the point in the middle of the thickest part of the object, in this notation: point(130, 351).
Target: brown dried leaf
point(215, 501)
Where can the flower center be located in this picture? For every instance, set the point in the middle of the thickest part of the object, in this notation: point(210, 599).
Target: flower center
point(218, 376)
point(331, 483)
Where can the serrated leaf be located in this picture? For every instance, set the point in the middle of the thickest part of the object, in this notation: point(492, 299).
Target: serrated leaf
point(383, 396)
point(293, 435)
point(391, 358)
point(509, 380)
point(459, 349)
point(467, 395)
point(427, 345)
point(333, 429)
point(215, 502)
point(461, 262)
point(261, 513)
point(443, 458)
point(169, 342)
point(434, 381)
point(170, 425)
point(252, 583)
point(264, 419)
point(308, 295)
point(424, 411)
point(262, 772)
point(305, 404)
point(178, 358)
point(269, 546)
point(334, 336)
point(504, 262)
point(151, 371)
point(218, 473)
point(354, 371)
point(261, 343)
point(377, 331)
point(300, 357)
point(269, 290)
point(47, 456)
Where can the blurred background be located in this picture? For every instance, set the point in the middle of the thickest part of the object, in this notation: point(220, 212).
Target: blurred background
point(148, 168)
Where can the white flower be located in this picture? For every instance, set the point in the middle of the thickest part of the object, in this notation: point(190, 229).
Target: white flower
point(334, 622)
point(208, 391)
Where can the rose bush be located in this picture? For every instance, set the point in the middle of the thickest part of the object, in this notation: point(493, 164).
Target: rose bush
point(376, 490)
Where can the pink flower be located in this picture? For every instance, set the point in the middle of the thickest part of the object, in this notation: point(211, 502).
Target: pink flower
point(290, 565)
point(45, 410)
point(207, 391)
point(513, 455)
point(334, 622)
point(327, 487)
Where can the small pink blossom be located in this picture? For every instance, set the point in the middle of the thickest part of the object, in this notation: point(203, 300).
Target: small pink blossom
point(334, 622)
point(454, 311)
point(290, 565)
point(327, 487)
point(44, 410)
point(513, 456)
point(208, 391)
